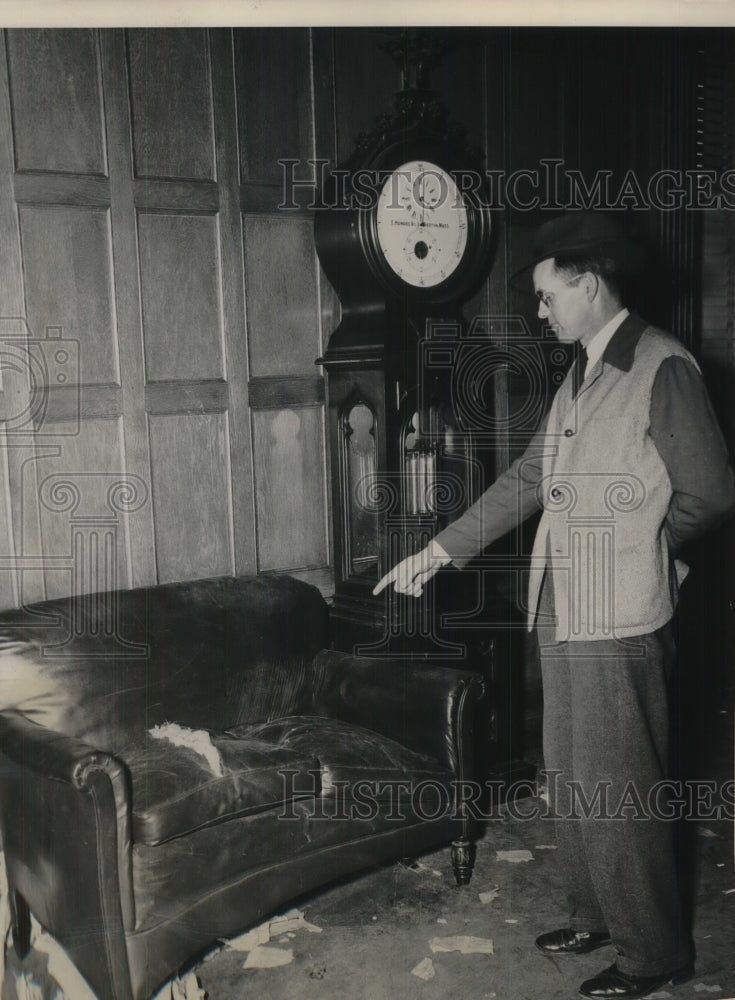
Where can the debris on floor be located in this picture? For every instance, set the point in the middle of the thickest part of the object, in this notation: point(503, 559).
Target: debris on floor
point(5, 919)
point(419, 866)
point(703, 988)
point(182, 988)
point(514, 856)
point(424, 970)
point(263, 957)
point(250, 939)
point(292, 920)
point(489, 896)
point(47, 972)
point(464, 943)
point(286, 923)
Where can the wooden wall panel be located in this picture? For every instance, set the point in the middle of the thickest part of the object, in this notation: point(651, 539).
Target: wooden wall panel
point(192, 506)
point(56, 99)
point(11, 279)
point(68, 281)
point(288, 448)
point(8, 548)
point(180, 288)
point(171, 92)
point(84, 533)
point(274, 86)
point(281, 296)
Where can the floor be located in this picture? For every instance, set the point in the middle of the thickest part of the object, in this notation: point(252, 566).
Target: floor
point(376, 932)
point(384, 934)
point(378, 937)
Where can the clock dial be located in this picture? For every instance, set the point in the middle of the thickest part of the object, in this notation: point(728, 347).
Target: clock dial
point(421, 222)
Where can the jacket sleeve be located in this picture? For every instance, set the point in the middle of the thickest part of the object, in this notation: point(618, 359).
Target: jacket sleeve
point(685, 431)
point(512, 498)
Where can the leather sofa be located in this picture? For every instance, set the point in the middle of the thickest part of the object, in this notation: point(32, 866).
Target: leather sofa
point(295, 765)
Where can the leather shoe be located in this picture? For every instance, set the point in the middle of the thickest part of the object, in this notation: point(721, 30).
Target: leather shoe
point(612, 984)
point(569, 942)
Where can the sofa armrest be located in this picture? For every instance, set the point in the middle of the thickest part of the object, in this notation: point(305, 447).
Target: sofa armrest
point(428, 709)
point(65, 813)
point(50, 754)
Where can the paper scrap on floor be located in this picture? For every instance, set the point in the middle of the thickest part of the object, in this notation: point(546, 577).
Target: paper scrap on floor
point(292, 920)
point(265, 957)
point(424, 970)
point(464, 943)
point(419, 866)
point(184, 988)
point(514, 856)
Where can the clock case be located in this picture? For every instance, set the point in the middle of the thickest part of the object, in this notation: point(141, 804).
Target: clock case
point(345, 227)
point(403, 461)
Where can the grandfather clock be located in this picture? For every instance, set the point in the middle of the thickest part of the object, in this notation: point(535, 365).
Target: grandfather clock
point(405, 236)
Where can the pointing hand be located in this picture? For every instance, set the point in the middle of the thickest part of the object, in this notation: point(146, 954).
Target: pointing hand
point(410, 575)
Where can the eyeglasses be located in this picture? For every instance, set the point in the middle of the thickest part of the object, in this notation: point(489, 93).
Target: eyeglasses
point(548, 297)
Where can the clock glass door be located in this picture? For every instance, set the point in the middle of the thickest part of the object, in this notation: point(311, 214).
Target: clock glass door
point(358, 484)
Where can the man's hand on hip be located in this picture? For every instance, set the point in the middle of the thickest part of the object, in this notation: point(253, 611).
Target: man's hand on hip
point(410, 575)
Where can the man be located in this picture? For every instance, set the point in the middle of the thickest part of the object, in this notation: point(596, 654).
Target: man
point(628, 465)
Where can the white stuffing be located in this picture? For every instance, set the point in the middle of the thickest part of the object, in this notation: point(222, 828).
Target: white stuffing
point(197, 740)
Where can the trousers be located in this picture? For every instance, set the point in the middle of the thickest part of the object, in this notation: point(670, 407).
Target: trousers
point(606, 752)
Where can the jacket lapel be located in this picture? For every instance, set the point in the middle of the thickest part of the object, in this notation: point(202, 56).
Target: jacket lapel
point(620, 353)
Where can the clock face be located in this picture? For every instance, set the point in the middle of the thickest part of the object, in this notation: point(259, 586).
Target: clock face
point(421, 222)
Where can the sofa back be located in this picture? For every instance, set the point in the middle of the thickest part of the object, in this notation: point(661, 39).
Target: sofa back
point(205, 654)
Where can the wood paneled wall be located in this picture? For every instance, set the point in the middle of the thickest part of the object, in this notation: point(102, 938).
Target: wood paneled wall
point(159, 308)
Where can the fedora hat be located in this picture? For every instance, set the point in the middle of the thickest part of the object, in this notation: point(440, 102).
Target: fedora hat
point(583, 234)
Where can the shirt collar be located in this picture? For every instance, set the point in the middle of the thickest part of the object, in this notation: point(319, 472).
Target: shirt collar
point(621, 349)
point(596, 347)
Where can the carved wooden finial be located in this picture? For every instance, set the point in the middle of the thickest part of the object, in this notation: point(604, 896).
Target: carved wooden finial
point(416, 52)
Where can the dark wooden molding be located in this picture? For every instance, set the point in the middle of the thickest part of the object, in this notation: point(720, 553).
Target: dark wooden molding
point(72, 403)
point(187, 396)
point(86, 190)
point(189, 197)
point(287, 390)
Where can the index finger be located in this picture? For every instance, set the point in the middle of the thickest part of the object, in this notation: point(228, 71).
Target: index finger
point(388, 578)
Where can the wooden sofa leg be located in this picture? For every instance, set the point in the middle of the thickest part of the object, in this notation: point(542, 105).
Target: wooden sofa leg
point(463, 860)
point(20, 917)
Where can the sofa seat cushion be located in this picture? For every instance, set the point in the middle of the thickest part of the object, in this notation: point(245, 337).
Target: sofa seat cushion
point(349, 756)
point(177, 790)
